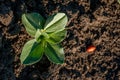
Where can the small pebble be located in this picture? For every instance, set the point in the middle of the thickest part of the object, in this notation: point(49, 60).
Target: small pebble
point(91, 48)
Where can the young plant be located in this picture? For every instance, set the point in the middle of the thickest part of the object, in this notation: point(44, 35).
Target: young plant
point(47, 37)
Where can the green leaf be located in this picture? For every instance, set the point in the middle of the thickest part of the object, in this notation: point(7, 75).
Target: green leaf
point(32, 22)
point(32, 52)
point(55, 53)
point(37, 36)
point(56, 22)
point(57, 37)
point(119, 1)
point(46, 36)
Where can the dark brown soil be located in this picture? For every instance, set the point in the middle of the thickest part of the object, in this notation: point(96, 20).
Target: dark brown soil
point(91, 22)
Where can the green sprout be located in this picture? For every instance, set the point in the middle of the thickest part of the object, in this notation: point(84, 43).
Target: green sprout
point(47, 37)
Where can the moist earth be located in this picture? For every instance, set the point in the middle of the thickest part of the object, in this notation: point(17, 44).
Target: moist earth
point(91, 22)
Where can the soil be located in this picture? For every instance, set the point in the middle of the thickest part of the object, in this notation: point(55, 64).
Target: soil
point(91, 22)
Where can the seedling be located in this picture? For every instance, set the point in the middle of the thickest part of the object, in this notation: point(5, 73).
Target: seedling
point(47, 37)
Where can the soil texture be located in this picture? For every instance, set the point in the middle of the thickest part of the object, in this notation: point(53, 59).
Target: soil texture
point(91, 22)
